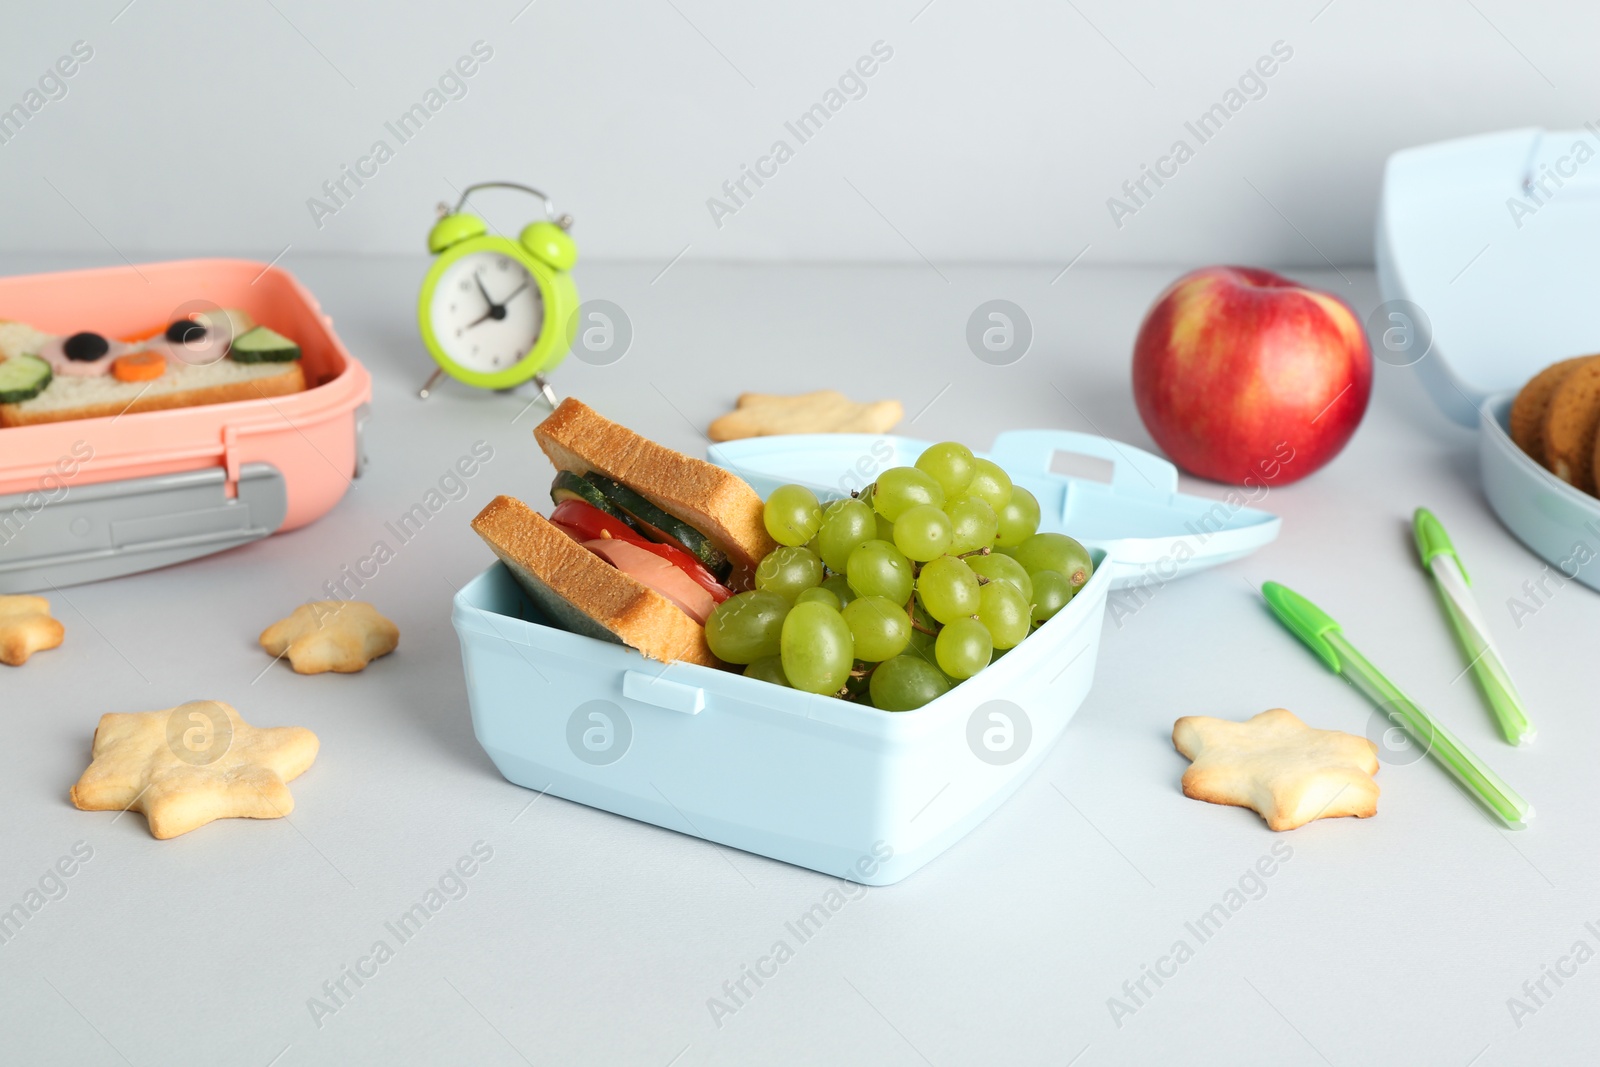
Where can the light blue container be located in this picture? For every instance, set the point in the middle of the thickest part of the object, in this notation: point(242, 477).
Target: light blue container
point(846, 790)
point(1485, 258)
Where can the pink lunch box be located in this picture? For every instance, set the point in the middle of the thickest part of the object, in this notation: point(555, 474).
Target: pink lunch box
point(87, 499)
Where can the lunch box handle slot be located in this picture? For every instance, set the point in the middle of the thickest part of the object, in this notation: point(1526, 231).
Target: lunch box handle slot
point(1134, 472)
point(662, 693)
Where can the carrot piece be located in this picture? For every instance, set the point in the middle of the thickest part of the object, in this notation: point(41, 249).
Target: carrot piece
point(139, 338)
point(139, 366)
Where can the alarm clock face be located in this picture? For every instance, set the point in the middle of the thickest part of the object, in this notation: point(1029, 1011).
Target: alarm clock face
point(487, 311)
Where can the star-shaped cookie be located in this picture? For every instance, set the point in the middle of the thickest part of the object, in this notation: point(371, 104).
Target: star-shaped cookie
point(1288, 772)
point(186, 766)
point(331, 635)
point(25, 628)
point(824, 411)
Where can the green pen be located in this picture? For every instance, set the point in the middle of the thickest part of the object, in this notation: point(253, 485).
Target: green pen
point(1323, 636)
point(1450, 576)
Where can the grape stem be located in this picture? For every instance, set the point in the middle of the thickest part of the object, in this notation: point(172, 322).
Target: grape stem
point(911, 611)
point(975, 552)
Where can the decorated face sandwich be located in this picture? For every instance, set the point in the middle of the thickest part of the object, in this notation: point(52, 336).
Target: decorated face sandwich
point(210, 358)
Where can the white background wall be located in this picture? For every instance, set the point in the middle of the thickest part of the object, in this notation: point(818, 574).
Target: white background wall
point(996, 132)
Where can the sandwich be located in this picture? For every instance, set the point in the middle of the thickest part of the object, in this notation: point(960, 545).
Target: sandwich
point(210, 358)
point(641, 544)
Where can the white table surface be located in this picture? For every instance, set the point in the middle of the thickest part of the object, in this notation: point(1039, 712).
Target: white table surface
point(589, 938)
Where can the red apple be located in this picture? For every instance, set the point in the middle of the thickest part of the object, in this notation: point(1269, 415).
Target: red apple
point(1244, 376)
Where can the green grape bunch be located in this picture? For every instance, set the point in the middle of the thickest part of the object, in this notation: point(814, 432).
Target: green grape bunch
point(894, 595)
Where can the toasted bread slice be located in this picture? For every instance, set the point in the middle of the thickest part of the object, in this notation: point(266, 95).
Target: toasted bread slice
point(179, 387)
point(713, 501)
point(582, 592)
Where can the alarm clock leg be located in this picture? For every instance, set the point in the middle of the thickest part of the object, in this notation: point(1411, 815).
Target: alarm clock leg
point(544, 388)
point(427, 390)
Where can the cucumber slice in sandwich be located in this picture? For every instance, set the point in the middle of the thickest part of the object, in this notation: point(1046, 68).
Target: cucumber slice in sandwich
point(569, 486)
point(262, 345)
point(23, 378)
point(660, 526)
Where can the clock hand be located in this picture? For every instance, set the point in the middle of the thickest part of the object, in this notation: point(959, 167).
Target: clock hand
point(487, 299)
point(513, 293)
point(486, 316)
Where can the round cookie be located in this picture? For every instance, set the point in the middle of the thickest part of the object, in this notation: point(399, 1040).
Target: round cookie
point(1528, 409)
point(1569, 426)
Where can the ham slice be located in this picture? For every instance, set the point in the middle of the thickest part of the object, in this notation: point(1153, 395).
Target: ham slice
point(651, 570)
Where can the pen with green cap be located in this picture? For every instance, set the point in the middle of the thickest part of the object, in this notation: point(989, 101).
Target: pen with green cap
point(1440, 558)
point(1324, 637)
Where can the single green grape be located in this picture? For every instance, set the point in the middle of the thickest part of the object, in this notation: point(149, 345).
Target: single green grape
point(768, 669)
point(747, 626)
point(922, 532)
point(1005, 612)
point(948, 588)
point(789, 571)
point(1019, 519)
point(1051, 592)
point(972, 524)
point(877, 568)
point(1055, 552)
point(880, 627)
point(839, 586)
point(900, 488)
point(998, 567)
point(845, 525)
point(963, 648)
point(792, 515)
point(816, 648)
point(819, 595)
point(950, 464)
point(990, 484)
point(905, 683)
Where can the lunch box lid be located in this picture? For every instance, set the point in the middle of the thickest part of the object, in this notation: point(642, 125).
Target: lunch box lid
point(1109, 495)
point(1489, 241)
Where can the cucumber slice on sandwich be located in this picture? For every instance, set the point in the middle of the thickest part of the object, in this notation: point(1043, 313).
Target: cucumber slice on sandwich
point(262, 345)
point(569, 486)
point(657, 525)
point(23, 378)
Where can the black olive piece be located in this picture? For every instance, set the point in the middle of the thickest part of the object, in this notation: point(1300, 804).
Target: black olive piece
point(186, 331)
point(85, 346)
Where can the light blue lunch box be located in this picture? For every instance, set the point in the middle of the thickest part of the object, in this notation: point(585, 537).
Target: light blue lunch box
point(1485, 259)
point(843, 789)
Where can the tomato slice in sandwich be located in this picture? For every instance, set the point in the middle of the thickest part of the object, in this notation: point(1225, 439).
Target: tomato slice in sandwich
point(585, 523)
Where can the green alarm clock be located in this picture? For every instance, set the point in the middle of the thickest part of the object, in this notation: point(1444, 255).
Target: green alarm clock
point(493, 312)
